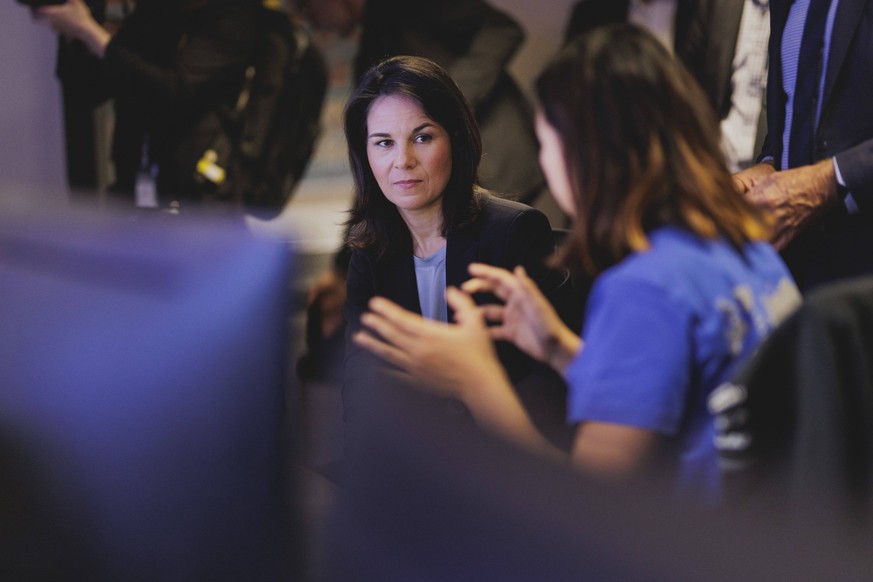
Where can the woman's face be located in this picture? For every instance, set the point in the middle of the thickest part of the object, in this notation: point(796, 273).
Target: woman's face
point(554, 165)
point(409, 153)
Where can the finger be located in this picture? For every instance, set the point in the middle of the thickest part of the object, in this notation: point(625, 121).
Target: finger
point(404, 320)
point(526, 281)
point(740, 185)
point(385, 328)
point(496, 275)
point(528, 286)
point(466, 310)
point(501, 281)
point(493, 313)
point(477, 285)
point(381, 349)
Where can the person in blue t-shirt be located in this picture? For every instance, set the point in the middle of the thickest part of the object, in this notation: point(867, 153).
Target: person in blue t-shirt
point(686, 285)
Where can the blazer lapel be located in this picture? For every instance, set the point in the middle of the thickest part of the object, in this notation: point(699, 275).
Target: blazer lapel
point(462, 248)
point(398, 272)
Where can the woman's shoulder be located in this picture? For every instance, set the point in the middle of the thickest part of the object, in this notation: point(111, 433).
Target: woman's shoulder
point(502, 210)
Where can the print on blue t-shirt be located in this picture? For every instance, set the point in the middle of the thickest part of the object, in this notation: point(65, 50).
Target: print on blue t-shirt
point(666, 326)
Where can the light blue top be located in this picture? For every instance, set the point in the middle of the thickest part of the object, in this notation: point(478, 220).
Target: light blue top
point(430, 276)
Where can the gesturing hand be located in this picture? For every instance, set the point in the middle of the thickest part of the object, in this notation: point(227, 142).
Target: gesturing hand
point(526, 319)
point(449, 359)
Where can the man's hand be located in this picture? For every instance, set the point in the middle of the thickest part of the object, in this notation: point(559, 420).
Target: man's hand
point(795, 198)
point(747, 179)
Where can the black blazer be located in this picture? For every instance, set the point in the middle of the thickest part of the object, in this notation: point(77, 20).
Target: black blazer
point(839, 245)
point(506, 235)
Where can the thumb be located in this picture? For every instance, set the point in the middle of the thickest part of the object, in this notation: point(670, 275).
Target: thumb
point(465, 308)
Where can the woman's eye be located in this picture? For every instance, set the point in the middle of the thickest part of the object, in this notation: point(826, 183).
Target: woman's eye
point(383, 143)
point(423, 138)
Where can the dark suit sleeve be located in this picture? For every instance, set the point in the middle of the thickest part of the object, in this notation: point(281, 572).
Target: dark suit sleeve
point(856, 167)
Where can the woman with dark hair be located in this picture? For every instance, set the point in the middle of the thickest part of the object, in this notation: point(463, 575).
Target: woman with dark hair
point(686, 286)
point(419, 217)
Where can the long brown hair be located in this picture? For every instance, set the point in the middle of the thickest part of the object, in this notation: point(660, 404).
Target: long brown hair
point(641, 147)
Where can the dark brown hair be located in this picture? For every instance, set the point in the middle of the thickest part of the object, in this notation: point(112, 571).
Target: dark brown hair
point(641, 147)
point(374, 222)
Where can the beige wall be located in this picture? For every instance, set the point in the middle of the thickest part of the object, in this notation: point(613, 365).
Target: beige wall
point(31, 138)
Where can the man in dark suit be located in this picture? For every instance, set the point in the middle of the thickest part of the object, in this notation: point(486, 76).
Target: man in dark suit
point(817, 179)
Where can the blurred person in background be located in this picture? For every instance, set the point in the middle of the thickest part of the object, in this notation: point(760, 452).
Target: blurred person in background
point(816, 165)
point(168, 67)
point(722, 42)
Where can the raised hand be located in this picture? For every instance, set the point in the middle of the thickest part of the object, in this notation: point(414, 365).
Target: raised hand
point(526, 318)
point(450, 360)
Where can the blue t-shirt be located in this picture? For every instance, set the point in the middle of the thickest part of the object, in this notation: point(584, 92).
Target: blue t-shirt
point(666, 326)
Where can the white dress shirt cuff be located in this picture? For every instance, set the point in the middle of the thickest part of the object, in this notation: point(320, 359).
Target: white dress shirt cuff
point(851, 205)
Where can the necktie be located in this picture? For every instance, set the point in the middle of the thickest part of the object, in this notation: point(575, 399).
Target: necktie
point(809, 68)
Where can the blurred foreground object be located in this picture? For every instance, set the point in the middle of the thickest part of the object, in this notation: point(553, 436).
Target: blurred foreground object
point(142, 400)
point(796, 423)
point(429, 499)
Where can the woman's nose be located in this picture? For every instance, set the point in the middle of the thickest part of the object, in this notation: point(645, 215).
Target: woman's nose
point(405, 157)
